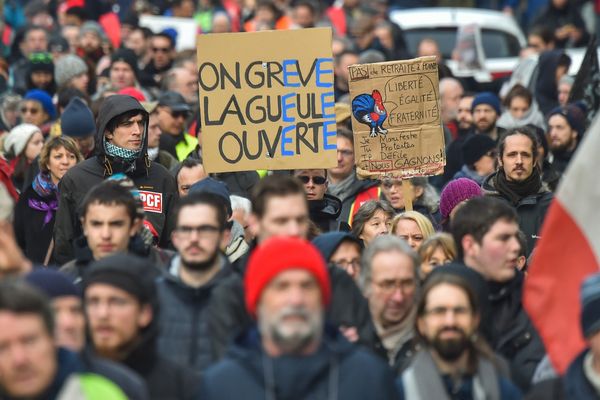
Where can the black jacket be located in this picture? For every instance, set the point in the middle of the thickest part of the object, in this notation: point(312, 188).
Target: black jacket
point(573, 385)
point(33, 236)
point(152, 179)
point(513, 335)
point(348, 308)
point(337, 370)
point(186, 335)
point(531, 209)
point(324, 213)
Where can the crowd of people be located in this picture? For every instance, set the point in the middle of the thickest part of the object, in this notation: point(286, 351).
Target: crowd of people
point(128, 271)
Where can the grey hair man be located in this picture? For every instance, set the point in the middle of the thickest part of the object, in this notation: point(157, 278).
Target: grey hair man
point(389, 281)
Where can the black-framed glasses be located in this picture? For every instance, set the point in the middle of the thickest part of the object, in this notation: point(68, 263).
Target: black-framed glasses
point(179, 114)
point(317, 180)
point(161, 49)
point(201, 230)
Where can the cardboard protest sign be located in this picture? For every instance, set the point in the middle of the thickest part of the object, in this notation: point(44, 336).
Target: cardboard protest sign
point(396, 119)
point(267, 100)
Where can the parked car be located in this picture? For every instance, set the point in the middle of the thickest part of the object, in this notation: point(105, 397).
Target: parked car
point(501, 37)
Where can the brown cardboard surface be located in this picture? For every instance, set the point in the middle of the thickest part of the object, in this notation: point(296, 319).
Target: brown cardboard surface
point(405, 96)
point(266, 100)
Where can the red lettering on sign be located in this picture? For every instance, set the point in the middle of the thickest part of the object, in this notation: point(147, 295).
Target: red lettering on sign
point(152, 201)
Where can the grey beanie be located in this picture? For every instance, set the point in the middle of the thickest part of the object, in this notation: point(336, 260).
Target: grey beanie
point(68, 67)
point(92, 26)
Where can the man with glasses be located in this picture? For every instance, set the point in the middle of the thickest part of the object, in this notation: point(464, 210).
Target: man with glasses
point(173, 112)
point(162, 53)
point(389, 281)
point(453, 361)
point(324, 209)
point(186, 289)
point(343, 182)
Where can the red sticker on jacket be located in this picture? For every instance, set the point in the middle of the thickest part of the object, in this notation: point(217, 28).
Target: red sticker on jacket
point(152, 201)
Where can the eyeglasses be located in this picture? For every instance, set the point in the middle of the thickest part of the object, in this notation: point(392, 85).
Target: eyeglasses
point(179, 114)
point(317, 180)
point(202, 230)
point(390, 286)
point(346, 153)
point(161, 49)
point(440, 312)
point(33, 111)
point(355, 263)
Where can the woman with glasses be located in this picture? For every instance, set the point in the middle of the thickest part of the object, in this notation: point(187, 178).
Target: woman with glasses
point(36, 210)
point(37, 109)
point(21, 146)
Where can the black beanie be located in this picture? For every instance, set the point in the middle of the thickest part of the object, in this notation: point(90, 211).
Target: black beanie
point(126, 272)
point(476, 147)
point(126, 56)
point(40, 62)
point(77, 119)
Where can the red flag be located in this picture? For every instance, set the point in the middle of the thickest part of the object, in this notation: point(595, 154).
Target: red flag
point(566, 253)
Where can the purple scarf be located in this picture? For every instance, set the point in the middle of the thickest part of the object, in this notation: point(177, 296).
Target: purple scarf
point(43, 186)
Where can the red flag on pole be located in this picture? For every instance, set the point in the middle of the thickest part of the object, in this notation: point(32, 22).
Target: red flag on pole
point(567, 252)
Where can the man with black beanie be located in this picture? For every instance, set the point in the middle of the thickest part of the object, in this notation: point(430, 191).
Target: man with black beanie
point(122, 311)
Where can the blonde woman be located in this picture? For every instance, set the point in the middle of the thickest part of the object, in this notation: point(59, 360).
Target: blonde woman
point(413, 227)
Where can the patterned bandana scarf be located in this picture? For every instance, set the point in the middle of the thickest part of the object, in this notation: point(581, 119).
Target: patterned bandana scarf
point(124, 154)
point(43, 186)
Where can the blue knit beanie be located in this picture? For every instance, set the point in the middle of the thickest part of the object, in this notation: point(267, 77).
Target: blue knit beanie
point(77, 119)
point(487, 98)
point(44, 99)
point(590, 305)
point(52, 283)
point(215, 187)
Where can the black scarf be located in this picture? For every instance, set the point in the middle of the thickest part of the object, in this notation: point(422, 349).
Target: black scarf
point(515, 191)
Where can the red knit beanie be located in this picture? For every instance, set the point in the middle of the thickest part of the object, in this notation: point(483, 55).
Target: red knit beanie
point(277, 255)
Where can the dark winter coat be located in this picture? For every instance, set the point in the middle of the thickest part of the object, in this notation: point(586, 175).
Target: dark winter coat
point(348, 308)
point(148, 176)
point(337, 370)
point(513, 335)
point(76, 268)
point(531, 210)
point(33, 236)
point(573, 385)
point(186, 335)
point(324, 213)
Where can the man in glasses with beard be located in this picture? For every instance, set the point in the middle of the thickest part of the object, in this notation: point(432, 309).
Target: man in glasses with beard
point(290, 354)
point(185, 291)
point(454, 362)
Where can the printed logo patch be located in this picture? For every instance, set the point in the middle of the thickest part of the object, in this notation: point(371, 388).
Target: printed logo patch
point(152, 201)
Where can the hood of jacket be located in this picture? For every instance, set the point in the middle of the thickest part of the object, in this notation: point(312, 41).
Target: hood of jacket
point(294, 376)
point(112, 107)
point(329, 207)
point(328, 243)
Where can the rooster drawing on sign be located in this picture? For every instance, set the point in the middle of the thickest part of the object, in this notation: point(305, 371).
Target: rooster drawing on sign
point(369, 110)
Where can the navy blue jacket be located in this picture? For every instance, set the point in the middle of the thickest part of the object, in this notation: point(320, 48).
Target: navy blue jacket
point(337, 370)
